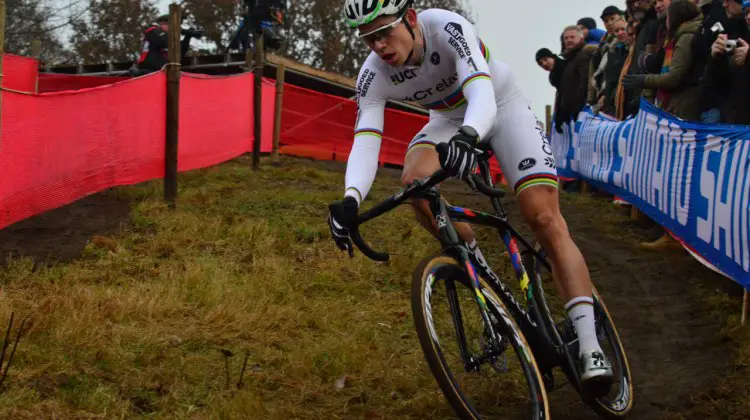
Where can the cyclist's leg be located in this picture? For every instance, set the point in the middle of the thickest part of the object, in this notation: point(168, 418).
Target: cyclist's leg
point(526, 158)
point(422, 160)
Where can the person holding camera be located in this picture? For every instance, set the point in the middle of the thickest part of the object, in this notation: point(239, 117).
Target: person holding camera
point(155, 41)
point(676, 92)
point(727, 71)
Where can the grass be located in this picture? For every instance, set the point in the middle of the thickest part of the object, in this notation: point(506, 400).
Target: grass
point(140, 325)
point(136, 326)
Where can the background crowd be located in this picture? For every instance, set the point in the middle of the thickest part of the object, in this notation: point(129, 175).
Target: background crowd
point(687, 57)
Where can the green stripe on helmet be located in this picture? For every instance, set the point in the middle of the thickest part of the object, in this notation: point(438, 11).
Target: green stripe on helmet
point(375, 13)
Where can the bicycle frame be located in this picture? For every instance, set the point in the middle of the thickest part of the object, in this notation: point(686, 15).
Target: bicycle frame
point(533, 329)
point(548, 351)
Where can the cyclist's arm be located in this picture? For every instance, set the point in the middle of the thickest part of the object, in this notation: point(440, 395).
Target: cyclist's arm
point(474, 74)
point(368, 134)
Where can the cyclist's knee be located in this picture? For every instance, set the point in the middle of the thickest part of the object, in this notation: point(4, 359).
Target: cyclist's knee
point(548, 223)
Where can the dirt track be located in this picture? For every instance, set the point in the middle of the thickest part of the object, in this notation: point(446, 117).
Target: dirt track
point(672, 345)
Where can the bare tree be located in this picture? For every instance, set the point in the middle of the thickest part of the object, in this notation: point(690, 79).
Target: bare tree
point(30, 20)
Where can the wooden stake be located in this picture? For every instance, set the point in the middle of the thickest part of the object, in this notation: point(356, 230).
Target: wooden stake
point(173, 105)
point(585, 188)
point(744, 308)
point(548, 119)
point(2, 54)
point(258, 95)
point(36, 52)
point(637, 215)
point(280, 75)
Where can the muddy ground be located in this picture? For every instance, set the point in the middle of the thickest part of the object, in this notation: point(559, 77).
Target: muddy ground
point(674, 351)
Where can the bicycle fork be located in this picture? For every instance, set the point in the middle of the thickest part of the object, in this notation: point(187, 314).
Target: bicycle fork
point(449, 238)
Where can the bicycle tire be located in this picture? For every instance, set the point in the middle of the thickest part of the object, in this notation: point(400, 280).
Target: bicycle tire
point(617, 409)
point(423, 278)
point(623, 405)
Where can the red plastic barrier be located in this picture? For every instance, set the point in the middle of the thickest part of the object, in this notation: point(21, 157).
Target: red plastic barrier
point(321, 126)
point(20, 73)
point(59, 147)
point(51, 82)
point(216, 118)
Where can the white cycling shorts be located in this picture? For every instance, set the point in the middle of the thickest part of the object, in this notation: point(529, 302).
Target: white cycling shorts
point(519, 143)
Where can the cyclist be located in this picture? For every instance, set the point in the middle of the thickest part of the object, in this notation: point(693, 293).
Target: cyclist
point(435, 59)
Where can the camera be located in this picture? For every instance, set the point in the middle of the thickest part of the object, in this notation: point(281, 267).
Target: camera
point(731, 44)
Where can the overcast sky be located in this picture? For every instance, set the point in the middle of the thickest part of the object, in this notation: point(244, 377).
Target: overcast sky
point(514, 30)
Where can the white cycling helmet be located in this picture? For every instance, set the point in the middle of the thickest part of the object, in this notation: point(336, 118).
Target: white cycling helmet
point(362, 12)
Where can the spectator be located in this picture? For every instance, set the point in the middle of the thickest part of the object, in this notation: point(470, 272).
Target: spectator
point(615, 60)
point(651, 62)
point(155, 42)
point(723, 73)
point(610, 15)
point(596, 69)
point(551, 63)
point(591, 34)
point(627, 100)
point(728, 69)
point(713, 12)
point(676, 93)
point(571, 96)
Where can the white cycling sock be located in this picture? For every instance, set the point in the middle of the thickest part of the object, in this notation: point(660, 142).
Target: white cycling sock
point(581, 313)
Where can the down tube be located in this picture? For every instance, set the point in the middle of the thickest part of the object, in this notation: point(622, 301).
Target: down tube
point(515, 259)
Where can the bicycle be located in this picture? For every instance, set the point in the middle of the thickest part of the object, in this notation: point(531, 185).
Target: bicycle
point(539, 342)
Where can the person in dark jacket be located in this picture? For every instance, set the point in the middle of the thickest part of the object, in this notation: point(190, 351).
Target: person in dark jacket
point(616, 56)
point(571, 96)
point(155, 42)
point(727, 72)
point(552, 63)
point(628, 99)
point(610, 15)
point(723, 78)
point(676, 93)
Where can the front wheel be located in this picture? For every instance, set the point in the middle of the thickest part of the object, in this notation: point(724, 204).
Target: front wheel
point(500, 374)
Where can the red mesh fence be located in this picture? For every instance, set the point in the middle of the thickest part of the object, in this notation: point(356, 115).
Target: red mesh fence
point(51, 82)
point(216, 118)
point(56, 148)
point(20, 73)
point(321, 126)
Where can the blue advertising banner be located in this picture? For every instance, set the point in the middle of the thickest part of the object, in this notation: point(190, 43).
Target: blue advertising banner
point(693, 179)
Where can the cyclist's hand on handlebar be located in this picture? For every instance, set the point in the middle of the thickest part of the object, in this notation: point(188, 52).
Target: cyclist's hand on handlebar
point(459, 158)
point(341, 217)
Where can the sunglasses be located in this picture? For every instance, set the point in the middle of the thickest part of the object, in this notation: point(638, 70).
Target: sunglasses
point(380, 33)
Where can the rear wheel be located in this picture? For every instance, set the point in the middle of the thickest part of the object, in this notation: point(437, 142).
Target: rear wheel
point(490, 380)
point(618, 402)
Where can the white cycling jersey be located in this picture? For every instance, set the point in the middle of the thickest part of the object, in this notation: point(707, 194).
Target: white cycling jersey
point(460, 84)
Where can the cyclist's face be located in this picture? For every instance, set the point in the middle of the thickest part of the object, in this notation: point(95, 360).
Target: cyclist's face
point(392, 41)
